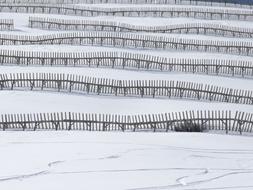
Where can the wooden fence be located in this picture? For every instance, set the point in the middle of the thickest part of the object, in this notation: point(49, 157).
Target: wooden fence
point(226, 121)
point(226, 3)
point(126, 60)
point(129, 40)
point(148, 11)
point(92, 25)
point(130, 88)
point(6, 24)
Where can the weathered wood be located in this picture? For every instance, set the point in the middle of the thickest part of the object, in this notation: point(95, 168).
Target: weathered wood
point(93, 25)
point(226, 121)
point(219, 3)
point(136, 88)
point(125, 40)
point(122, 60)
point(6, 24)
point(151, 11)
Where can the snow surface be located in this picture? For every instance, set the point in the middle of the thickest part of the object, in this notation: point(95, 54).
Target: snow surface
point(79, 160)
point(48, 101)
point(124, 161)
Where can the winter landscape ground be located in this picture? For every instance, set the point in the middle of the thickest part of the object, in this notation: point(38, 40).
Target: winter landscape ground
point(169, 64)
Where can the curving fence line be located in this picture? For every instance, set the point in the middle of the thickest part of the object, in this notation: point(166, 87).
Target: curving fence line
point(148, 11)
point(126, 60)
point(129, 40)
point(6, 24)
point(92, 25)
point(226, 121)
point(226, 3)
point(130, 88)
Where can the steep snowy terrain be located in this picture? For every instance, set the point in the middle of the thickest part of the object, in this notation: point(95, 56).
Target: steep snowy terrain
point(64, 160)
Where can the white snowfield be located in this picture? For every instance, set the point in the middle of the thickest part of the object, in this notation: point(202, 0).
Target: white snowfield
point(125, 161)
point(42, 102)
point(81, 160)
point(82, 103)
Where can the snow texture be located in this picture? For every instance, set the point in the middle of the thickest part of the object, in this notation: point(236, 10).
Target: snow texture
point(66, 160)
point(132, 161)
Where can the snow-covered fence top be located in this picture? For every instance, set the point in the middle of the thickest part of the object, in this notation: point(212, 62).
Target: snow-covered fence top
point(130, 88)
point(129, 40)
point(128, 60)
point(226, 3)
point(6, 24)
point(226, 121)
point(92, 25)
point(145, 11)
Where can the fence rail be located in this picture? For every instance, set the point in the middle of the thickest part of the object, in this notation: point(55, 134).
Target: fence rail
point(129, 88)
point(126, 60)
point(226, 3)
point(208, 120)
point(6, 24)
point(148, 11)
point(129, 40)
point(91, 25)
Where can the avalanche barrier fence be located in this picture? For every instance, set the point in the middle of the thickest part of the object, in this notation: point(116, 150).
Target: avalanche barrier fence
point(224, 121)
point(128, 88)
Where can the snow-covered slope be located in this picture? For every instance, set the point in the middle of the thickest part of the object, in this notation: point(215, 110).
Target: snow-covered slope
point(21, 25)
point(117, 161)
point(53, 160)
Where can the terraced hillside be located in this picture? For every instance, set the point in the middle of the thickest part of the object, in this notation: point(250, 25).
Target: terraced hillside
point(126, 66)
